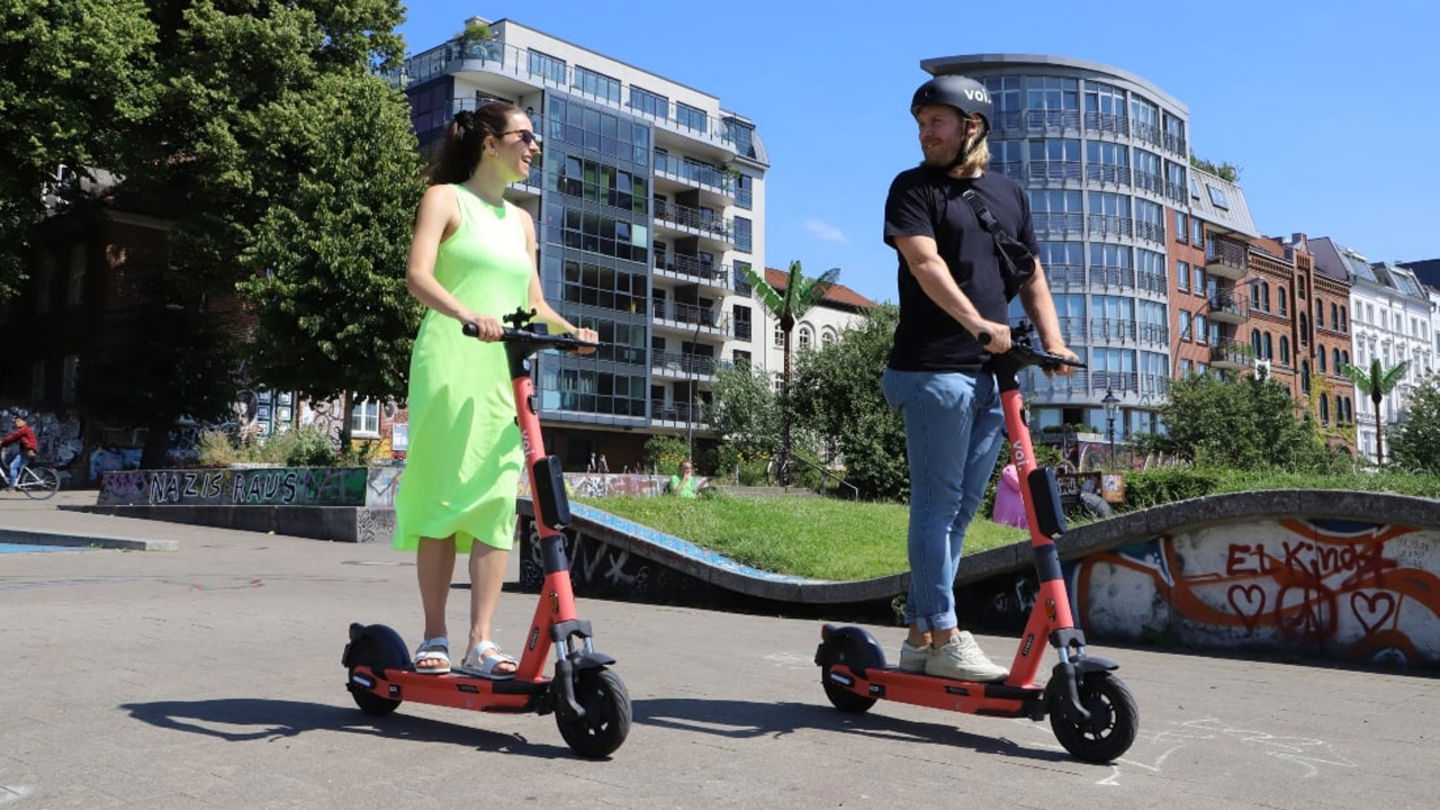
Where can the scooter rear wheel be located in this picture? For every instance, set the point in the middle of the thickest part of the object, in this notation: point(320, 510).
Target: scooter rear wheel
point(606, 723)
point(1114, 719)
point(379, 648)
point(845, 649)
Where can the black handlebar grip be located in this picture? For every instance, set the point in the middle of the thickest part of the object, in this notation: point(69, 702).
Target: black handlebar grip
point(984, 338)
point(470, 329)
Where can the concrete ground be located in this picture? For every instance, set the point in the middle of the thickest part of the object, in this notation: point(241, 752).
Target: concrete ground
point(209, 676)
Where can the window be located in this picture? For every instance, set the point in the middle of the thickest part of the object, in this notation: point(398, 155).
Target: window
point(1197, 232)
point(742, 280)
point(827, 337)
point(649, 103)
point(598, 85)
point(807, 337)
point(1281, 299)
point(1335, 360)
point(1335, 317)
point(547, 66)
point(742, 322)
point(741, 358)
point(1284, 350)
point(1184, 325)
point(1344, 320)
point(1320, 359)
point(779, 335)
point(1217, 196)
point(1197, 279)
point(690, 117)
point(1269, 347)
point(1319, 314)
point(365, 419)
point(1202, 330)
point(1182, 226)
point(1182, 275)
point(743, 239)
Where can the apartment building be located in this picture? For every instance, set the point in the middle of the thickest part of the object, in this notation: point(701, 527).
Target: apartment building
point(649, 202)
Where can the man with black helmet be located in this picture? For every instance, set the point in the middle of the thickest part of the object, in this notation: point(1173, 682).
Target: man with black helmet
point(954, 281)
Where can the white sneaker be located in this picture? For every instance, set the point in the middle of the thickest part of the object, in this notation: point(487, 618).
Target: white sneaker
point(961, 659)
point(913, 659)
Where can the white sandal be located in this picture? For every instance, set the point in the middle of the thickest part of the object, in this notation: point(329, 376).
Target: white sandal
point(480, 665)
point(432, 649)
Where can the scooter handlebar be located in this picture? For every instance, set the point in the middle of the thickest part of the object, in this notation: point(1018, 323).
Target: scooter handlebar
point(1022, 353)
point(564, 342)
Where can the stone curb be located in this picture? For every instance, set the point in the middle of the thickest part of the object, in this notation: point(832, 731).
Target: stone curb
point(33, 538)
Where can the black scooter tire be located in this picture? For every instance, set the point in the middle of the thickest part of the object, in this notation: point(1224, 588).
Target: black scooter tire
point(1114, 719)
point(843, 649)
point(606, 723)
point(379, 648)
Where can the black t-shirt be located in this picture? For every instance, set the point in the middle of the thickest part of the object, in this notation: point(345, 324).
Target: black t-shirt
point(926, 202)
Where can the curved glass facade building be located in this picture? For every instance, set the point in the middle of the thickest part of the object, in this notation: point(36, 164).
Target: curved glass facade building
point(1104, 157)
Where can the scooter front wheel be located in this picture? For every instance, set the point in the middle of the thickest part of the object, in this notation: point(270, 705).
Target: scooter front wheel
point(1113, 723)
point(606, 721)
point(855, 651)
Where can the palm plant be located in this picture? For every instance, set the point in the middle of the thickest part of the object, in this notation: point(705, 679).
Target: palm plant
point(788, 306)
point(1376, 382)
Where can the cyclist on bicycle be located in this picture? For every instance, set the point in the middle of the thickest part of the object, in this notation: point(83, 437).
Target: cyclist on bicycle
point(28, 447)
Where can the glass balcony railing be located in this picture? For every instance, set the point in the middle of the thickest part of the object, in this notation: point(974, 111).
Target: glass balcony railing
point(694, 218)
point(694, 172)
point(684, 363)
point(712, 272)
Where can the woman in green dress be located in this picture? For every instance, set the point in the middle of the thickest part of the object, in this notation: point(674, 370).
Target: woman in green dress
point(472, 260)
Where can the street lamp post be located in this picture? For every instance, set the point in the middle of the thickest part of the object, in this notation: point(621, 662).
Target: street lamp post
point(1112, 409)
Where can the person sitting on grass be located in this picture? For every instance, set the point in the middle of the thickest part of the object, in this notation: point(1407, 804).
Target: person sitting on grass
point(685, 485)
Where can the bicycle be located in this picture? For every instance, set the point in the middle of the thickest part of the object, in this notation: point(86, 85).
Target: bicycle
point(35, 480)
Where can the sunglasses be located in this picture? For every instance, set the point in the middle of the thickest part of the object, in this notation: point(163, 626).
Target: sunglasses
point(526, 135)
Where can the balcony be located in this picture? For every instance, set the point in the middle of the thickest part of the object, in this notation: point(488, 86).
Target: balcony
point(1036, 121)
point(1105, 225)
point(1225, 259)
point(1229, 308)
point(1096, 122)
point(695, 174)
point(1065, 276)
point(691, 269)
point(681, 413)
point(1107, 173)
point(1233, 356)
point(684, 366)
point(1059, 225)
point(1114, 330)
point(689, 319)
point(693, 222)
point(1054, 171)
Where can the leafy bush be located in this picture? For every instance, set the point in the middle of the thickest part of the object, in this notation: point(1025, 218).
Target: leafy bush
point(303, 447)
point(665, 453)
point(1146, 488)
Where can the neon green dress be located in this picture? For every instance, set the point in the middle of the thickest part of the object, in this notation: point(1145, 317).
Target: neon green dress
point(463, 465)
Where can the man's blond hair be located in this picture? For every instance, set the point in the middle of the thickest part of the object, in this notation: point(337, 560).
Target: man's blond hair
point(980, 157)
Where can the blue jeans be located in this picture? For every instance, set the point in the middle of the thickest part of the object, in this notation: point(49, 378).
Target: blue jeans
point(16, 465)
point(952, 435)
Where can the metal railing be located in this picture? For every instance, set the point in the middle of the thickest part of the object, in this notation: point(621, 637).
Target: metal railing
point(1064, 276)
point(684, 363)
point(713, 271)
point(1110, 276)
point(694, 218)
point(1229, 302)
point(691, 315)
point(697, 173)
point(1108, 225)
point(678, 411)
point(1154, 231)
point(1234, 353)
point(1059, 223)
point(1054, 170)
point(1107, 122)
point(1114, 329)
point(1107, 173)
point(1223, 252)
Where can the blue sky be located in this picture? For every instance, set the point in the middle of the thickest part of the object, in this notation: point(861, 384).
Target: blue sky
point(1331, 109)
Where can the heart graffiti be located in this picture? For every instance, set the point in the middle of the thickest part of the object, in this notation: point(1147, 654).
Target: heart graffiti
point(1372, 610)
point(1248, 601)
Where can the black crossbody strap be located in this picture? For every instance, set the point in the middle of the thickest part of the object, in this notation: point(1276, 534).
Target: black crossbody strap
point(987, 219)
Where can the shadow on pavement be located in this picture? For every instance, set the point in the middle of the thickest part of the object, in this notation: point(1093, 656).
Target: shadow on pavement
point(251, 719)
point(742, 719)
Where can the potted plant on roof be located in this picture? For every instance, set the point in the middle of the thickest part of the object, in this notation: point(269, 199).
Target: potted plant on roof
point(475, 40)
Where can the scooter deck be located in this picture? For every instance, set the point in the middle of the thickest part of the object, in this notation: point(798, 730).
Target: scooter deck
point(917, 688)
point(456, 689)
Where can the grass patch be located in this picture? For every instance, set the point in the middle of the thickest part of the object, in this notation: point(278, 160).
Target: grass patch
point(821, 538)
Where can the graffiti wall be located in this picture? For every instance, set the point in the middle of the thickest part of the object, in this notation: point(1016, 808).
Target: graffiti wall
point(601, 485)
point(1348, 590)
point(58, 435)
point(308, 486)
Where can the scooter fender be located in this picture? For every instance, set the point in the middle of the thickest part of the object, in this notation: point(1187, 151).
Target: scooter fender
point(1067, 676)
point(567, 669)
point(863, 650)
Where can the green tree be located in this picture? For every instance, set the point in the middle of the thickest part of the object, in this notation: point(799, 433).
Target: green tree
point(1245, 424)
point(838, 396)
point(1415, 445)
point(1376, 382)
point(788, 306)
point(75, 75)
point(335, 318)
point(744, 409)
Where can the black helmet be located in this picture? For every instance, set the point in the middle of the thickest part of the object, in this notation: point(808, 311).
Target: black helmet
point(964, 94)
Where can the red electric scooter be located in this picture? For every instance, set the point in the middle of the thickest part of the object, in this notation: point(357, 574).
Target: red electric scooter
point(591, 705)
point(1091, 710)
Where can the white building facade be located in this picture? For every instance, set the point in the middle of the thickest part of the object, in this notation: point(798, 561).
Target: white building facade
point(1392, 320)
point(649, 202)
